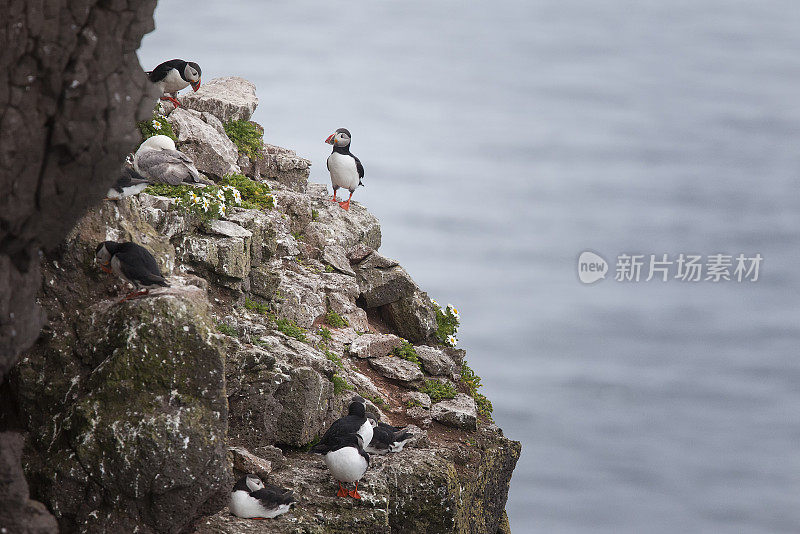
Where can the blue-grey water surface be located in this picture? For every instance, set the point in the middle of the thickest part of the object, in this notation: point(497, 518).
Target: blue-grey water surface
point(501, 139)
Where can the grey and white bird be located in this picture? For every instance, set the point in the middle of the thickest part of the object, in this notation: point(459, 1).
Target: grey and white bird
point(355, 422)
point(346, 169)
point(133, 263)
point(174, 75)
point(252, 499)
point(386, 438)
point(346, 460)
point(128, 183)
point(158, 160)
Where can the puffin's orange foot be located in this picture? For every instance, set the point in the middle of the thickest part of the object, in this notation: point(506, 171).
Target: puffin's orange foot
point(354, 494)
point(170, 99)
point(345, 205)
point(334, 199)
point(135, 294)
point(258, 518)
point(342, 492)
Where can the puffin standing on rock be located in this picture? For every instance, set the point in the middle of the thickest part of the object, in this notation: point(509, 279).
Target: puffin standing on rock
point(346, 460)
point(346, 169)
point(174, 75)
point(157, 160)
point(133, 263)
point(252, 499)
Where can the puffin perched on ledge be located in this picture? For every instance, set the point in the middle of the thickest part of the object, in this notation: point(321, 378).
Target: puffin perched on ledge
point(131, 262)
point(346, 169)
point(174, 75)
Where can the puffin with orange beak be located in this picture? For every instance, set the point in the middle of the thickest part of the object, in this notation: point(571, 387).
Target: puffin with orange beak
point(174, 75)
point(346, 169)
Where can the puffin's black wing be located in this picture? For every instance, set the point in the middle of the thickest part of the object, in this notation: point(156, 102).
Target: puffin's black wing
point(158, 73)
point(129, 177)
point(359, 168)
point(272, 496)
point(390, 428)
point(349, 424)
point(136, 263)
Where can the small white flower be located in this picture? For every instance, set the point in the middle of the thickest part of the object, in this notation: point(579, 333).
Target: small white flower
point(221, 209)
point(220, 195)
point(237, 196)
point(206, 203)
point(435, 303)
point(156, 125)
point(274, 201)
point(452, 341)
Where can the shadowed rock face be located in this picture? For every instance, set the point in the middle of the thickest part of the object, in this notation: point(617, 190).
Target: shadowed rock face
point(71, 89)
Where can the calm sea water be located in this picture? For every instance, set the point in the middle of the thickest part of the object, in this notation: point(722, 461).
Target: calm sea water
point(502, 139)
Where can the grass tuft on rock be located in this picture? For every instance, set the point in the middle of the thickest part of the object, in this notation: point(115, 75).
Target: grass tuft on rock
point(255, 195)
point(291, 329)
point(157, 125)
point(376, 400)
point(339, 384)
point(325, 334)
point(472, 381)
point(335, 320)
point(258, 307)
point(407, 352)
point(222, 328)
point(446, 323)
point(334, 358)
point(438, 390)
point(248, 137)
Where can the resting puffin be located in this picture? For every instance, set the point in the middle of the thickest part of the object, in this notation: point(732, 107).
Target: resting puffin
point(346, 169)
point(355, 422)
point(386, 438)
point(252, 499)
point(131, 262)
point(128, 183)
point(174, 75)
point(346, 460)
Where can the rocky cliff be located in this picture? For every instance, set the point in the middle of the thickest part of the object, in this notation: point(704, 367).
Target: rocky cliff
point(139, 413)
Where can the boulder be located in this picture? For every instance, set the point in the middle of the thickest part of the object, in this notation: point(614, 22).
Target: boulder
point(459, 412)
point(211, 151)
point(280, 164)
point(435, 360)
point(412, 317)
point(229, 98)
point(128, 428)
point(374, 345)
point(18, 513)
point(245, 461)
point(417, 398)
point(395, 368)
point(334, 256)
point(225, 252)
point(382, 286)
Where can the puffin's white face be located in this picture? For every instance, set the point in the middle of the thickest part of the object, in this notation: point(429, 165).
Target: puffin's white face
point(373, 422)
point(158, 142)
point(192, 74)
point(102, 256)
point(338, 139)
point(254, 483)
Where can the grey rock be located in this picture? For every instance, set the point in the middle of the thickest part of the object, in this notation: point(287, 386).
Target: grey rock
point(374, 345)
point(212, 152)
point(226, 256)
point(412, 317)
point(245, 461)
point(229, 98)
point(380, 286)
point(357, 253)
point(420, 415)
point(263, 244)
point(417, 397)
point(334, 256)
point(19, 513)
point(282, 165)
point(395, 368)
point(459, 412)
point(435, 361)
point(377, 261)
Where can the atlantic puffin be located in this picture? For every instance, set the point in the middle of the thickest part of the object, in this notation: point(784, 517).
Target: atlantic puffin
point(386, 438)
point(252, 499)
point(346, 169)
point(128, 183)
point(355, 422)
point(174, 75)
point(133, 263)
point(346, 460)
point(158, 160)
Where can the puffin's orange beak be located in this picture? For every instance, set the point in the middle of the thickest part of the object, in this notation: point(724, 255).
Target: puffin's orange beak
point(329, 140)
point(106, 268)
point(196, 86)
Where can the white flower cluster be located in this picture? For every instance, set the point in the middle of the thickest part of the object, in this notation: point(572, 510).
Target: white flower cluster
point(215, 202)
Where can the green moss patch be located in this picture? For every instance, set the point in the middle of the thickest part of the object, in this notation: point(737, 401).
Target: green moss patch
point(156, 125)
point(258, 307)
point(340, 384)
point(248, 137)
point(407, 352)
point(222, 328)
point(472, 381)
point(289, 328)
point(255, 195)
point(334, 358)
point(335, 320)
point(438, 390)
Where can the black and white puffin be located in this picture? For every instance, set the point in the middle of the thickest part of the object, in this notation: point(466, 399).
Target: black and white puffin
point(128, 184)
point(386, 438)
point(346, 460)
point(252, 499)
point(355, 422)
point(158, 160)
point(346, 169)
point(131, 262)
point(174, 75)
